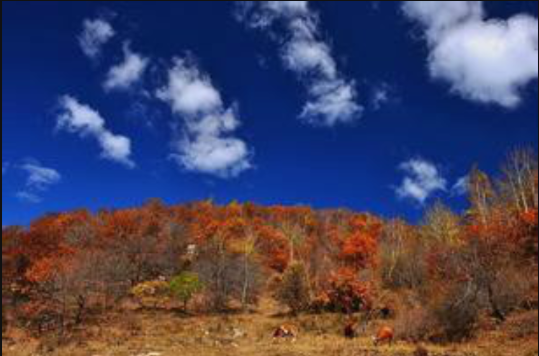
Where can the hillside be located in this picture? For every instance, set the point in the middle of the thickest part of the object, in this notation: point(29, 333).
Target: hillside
point(270, 178)
point(220, 280)
point(167, 334)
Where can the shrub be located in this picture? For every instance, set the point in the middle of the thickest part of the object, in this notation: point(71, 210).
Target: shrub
point(151, 294)
point(414, 324)
point(456, 313)
point(451, 316)
point(510, 290)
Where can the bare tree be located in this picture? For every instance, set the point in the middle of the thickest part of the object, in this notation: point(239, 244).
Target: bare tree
point(482, 194)
point(519, 181)
point(441, 225)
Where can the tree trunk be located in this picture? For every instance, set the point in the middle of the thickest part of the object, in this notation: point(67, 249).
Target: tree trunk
point(496, 311)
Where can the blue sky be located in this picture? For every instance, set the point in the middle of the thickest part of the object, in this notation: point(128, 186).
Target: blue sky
point(373, 106)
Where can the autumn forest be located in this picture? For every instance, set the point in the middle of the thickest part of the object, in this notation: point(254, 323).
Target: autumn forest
point(437, 281)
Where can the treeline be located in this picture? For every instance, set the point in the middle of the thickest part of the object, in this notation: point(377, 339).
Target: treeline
point(435, 280)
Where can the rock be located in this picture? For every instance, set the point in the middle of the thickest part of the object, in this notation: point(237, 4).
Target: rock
point(238, 334)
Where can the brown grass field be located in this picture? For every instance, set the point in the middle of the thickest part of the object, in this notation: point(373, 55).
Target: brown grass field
point(160, 333)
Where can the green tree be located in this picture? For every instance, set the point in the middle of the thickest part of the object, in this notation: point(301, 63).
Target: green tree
point(185, 287)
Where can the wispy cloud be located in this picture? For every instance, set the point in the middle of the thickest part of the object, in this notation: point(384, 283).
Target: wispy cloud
point(486, 61)
point(332, 98)
point(28, 197)
point(5, 167)
point(422, 180)
point(95, 34)
point(128, 73)
point(382, 94)
point(39, 179)
point(461, 187)
point(81, 119)
point(207, 143)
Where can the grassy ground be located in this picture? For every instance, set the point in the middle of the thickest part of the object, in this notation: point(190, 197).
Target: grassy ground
point(166, 334)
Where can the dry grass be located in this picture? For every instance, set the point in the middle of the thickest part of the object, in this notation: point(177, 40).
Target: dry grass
point(165, 334)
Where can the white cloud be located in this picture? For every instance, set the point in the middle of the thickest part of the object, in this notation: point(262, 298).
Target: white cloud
point(332, 99)
point(128, 73)
point(85, 121)
point(423, 179)
point(289, 8)
point(39, 179)
point(189, 92)
point(305, 56)
point(95, 34)
point(486, 61)
point(440, 16)
point(262, 14)
point(461, 187)
point(207, 144)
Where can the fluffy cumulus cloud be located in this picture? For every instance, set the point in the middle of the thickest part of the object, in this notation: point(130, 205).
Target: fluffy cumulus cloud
point(332, 98)
point(422, 180)
point(207, 144)
point(95, 34)
point(128, 73)
point(78, 118)
point(486, 61)
point(39, 179)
